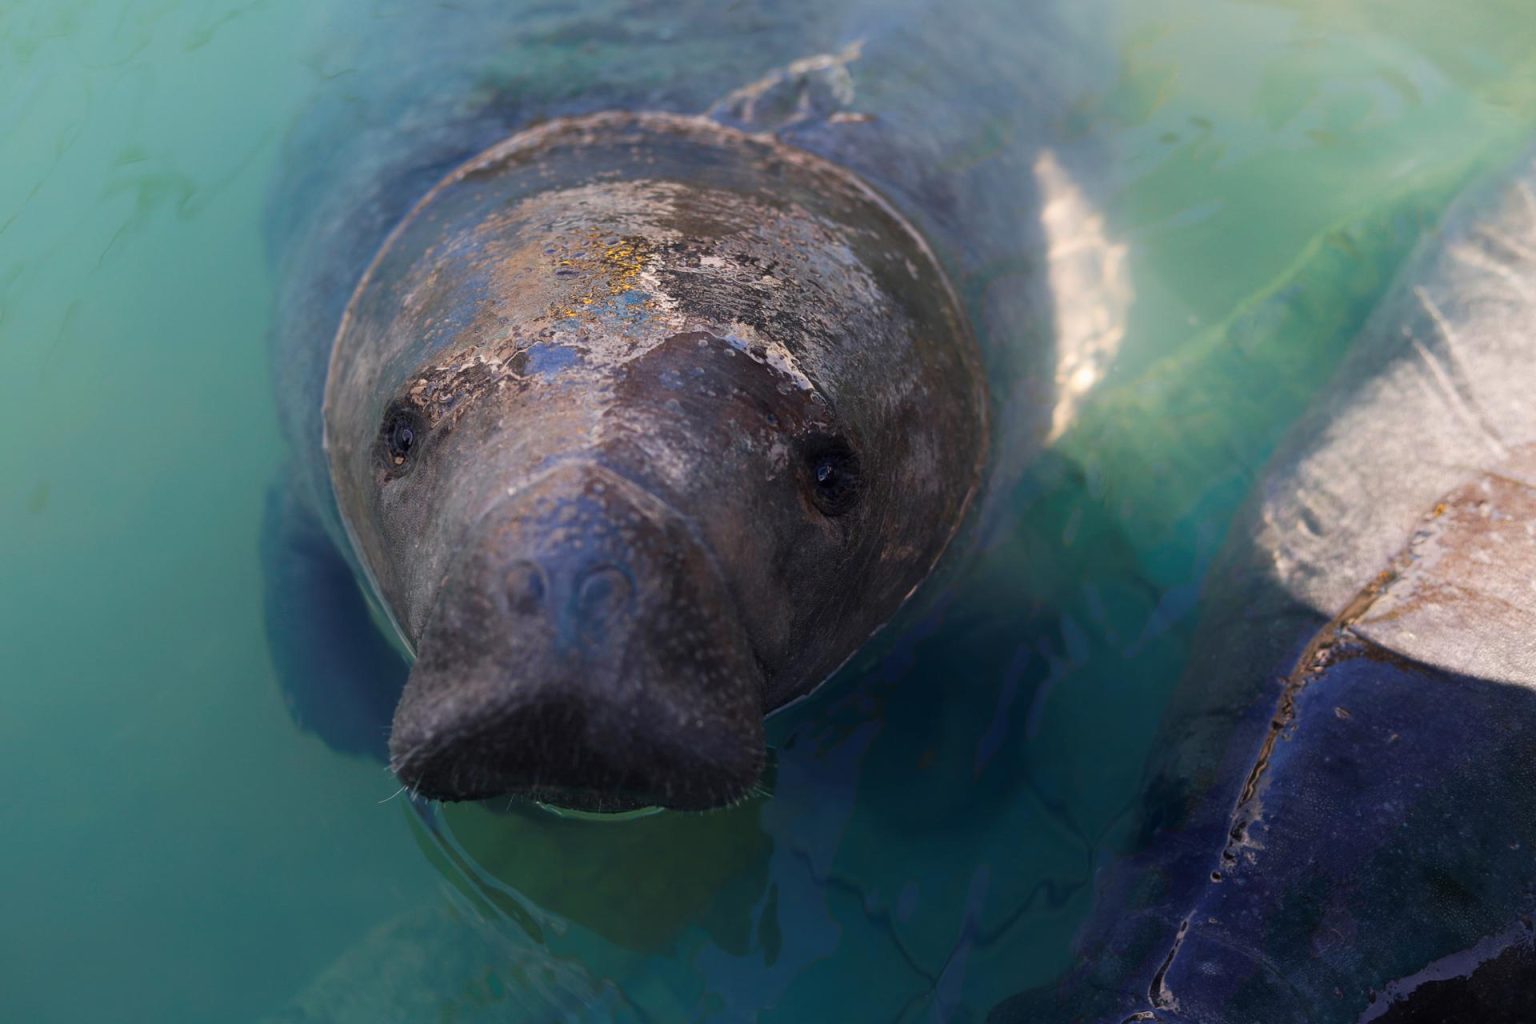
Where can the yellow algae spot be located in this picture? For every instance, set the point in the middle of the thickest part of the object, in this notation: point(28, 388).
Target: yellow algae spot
point(625, 259)
point(615, 270)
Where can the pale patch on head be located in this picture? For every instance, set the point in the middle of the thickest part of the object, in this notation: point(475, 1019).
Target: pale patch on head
point(745, 338)
point(778, 456)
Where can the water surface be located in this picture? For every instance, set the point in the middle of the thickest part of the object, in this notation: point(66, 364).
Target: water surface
point(176, 850)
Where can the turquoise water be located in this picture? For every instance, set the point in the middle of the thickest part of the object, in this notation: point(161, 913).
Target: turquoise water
point(176, 850)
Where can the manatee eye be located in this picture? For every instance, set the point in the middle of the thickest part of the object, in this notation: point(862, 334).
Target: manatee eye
point(401, 434)
point(833, 471)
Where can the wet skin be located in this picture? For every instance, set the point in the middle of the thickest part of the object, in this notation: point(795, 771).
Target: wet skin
point(798, 270)
point(640, 426)
point(1269, 906)
point(1340, 818)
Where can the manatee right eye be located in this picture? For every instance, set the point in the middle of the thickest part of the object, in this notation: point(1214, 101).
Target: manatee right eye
point(401, 434)
point(832, 471)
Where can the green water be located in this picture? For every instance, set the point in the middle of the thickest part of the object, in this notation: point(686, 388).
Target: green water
point(175, 850)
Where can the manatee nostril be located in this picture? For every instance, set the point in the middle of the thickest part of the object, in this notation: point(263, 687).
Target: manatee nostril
point(603, 593)
point(525, 588)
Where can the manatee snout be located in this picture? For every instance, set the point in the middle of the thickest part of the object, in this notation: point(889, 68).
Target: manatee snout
point(585, 651)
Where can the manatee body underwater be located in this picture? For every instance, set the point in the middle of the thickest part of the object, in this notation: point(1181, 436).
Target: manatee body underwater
point(635, 394)
point(1341, 823)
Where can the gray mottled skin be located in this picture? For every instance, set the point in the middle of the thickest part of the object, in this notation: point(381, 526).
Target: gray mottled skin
point(1341, 825)
point(625, 346)
point(422, 88)
point(688, 412)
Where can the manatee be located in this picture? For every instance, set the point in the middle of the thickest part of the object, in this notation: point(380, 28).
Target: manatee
point(1340, 823)
point(630, 392)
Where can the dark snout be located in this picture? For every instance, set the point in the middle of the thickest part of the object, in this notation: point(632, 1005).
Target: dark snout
point(583, 652)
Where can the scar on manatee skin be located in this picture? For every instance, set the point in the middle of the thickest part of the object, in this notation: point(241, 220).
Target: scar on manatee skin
point(1333, 642)
point(1320, 652)
point(1157, 992)
point(1325, 647)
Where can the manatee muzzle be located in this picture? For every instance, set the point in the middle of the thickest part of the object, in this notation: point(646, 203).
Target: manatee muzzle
point(584, 650)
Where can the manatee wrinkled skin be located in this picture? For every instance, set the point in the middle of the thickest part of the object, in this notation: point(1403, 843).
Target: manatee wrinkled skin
point(1341, 824)
point(637, 400)
point(620, 420)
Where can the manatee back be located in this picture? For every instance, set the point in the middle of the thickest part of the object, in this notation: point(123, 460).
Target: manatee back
point(1341, 809)
point(1439, 391)
point(1431, 400)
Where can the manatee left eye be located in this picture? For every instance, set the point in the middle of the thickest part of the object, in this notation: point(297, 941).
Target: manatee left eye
point(401, 433)
point(833, 470)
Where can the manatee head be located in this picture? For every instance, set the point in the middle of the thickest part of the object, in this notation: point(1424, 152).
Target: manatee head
point(640, 427)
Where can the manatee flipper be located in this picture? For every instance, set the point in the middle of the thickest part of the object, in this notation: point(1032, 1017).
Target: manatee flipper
point(1341, 822)
point(340, 677)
